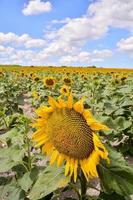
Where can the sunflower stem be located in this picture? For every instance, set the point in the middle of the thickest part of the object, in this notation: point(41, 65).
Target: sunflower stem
point(83, 183)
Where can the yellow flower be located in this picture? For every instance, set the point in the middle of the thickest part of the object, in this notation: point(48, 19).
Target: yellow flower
point(64, 90)
point(49, 81)
point(66, 131)
point(35, 95)
point(36, 78)
point(67, 80)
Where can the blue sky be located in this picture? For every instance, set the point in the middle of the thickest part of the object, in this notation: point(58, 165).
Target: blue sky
point(67, 32)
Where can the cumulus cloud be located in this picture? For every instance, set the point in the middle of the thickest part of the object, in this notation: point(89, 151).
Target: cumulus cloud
point(35, 7)
point(86, 58)
point(114, 13)
point(126, 45)
point(66, 43)
point(6, 51)
point(24, 39)
point(100, 17)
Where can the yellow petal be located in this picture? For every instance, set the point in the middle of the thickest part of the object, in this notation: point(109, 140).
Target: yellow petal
point(93, 160)
point(61, 102)
point(75, 170)
point(97, 126)
point(83, 167)
point(40, 143)
point(43, 111)
point(60, 160)
point(52, 102)
point(70, 101)
point(100, 148)
point(87, 114)
point(67, 168)
point(38, 133)
point(47, 148)
point(54, 157)
point(71, 166)
point(78, 106)
point(39, 138)
point(39, 123)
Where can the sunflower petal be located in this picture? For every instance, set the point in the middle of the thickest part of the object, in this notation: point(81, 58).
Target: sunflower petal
point(67, 168)
point(60, 160)
point(43, 111)
point(97, 126)
point(75, 170)
point(54, 157)
point(70, 101)
point(52, 102)
point(78, 106)
point(61, 102)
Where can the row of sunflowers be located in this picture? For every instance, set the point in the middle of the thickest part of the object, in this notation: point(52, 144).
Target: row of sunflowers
point(66, 133)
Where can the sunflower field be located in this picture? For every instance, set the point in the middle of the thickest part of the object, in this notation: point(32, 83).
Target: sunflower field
point(66, 133)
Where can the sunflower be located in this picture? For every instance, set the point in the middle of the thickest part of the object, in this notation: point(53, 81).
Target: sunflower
point(67, 133)
point(64, 90)
point(35, 95)
point(49, 81)
point(67, 80)
point(36, 78)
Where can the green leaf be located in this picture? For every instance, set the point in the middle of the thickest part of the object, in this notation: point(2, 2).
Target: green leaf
point(48, 181)
point(120, 111)
point(117, 176)
point(10, 157)
point(122, 123)
point(11, 192)
point(127, 102)
point(15, 136)
point(25, 182)
point(27, 179)
point(104, 196)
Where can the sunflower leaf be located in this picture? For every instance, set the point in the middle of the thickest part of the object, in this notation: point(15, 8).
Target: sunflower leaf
point(48, 181)
point(104, 196)
point(10, 157)
point(117, 176)
point(11, 191)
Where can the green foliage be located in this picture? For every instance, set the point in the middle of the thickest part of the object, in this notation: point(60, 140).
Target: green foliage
point(50, 179)
point(109, 96)
point(116, 177)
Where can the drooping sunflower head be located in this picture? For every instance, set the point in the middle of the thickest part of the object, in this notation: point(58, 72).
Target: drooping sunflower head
point(67, 133)
point(65, 90)
point(49, 81)
point(67, 80)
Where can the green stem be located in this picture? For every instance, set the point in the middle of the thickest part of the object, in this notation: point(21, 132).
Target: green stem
point(29, 154)
point(5, 122)
point(83, 183)
point(22, 163)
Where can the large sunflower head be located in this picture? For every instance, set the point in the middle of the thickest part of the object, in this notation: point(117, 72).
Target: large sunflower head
point(49, 82)
point(67, 133)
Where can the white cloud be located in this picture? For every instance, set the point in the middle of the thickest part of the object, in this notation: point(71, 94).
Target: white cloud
point(6, 51)
point(35, 7)
point(65, 44)
point(23, 40)
point(126, 45)
point(100, 17)
point(86, 58)
point(114, 13)
point(63, 21)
